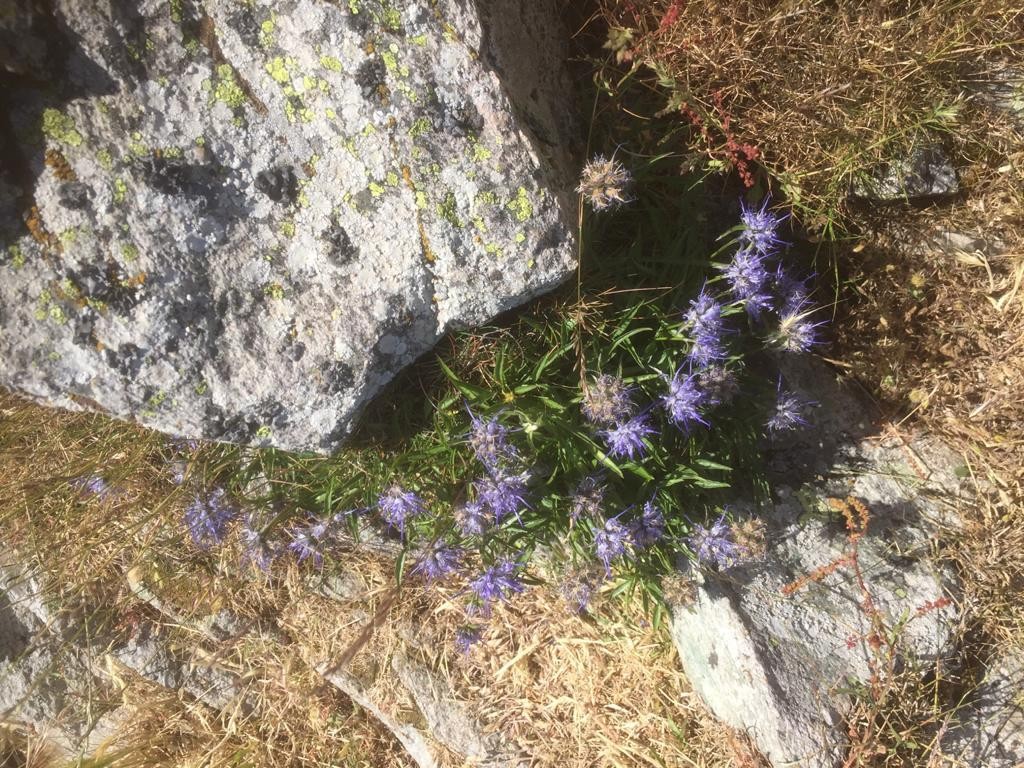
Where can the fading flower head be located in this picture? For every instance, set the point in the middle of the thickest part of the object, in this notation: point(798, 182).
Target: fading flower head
point(610, 542)
point(308, 541)
point(207, 518)
point(256, 549)
point(93, 485)
point(714, 545)
point(437, 561)
point(397, 505)
point(626, 440)
point(796, 332)
point(587, 499)
point(719, 385)
point(607, 400)
point(577, 587)
point(605, 183)
point(649, 527)
point(473, 519)
point(789, 413)
point(467, 637)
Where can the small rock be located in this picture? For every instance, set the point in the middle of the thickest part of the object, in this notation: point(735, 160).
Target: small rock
point(990, 727)
point(925, 172)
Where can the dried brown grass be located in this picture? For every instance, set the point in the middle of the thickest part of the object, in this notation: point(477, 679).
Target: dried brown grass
point(826, 89)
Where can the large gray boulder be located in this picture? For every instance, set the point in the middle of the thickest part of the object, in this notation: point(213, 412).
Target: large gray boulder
point(778, 645)
point(239, 221)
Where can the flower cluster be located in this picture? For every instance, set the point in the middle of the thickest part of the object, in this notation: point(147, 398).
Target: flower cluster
point(714, 545)
point(207, 518)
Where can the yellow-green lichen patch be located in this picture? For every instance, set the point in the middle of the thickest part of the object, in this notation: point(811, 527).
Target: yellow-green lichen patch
point(487, 197)
point(288, 228)
point(280, 68)
point(392, 179)
point(520, 237)
point(421, 199)
point(480, 153)
point(494, 249)
point(267, 33)
point(60, 127)
point(227, 90)
point(17, 256)
point(521, 206)
point(331, 63)
point(69, 236)
point(201, 388)
point(419, 126)
point(120, 191)
point(176, 11)
point(419, 40)
point(273, 291)
point(447, 210)
point(46, 308)
point(354, 6)
point(129, 252)
point(157, 399)
point(375, 189)
point(263, 433)
point(105, 160)
point(479, 224)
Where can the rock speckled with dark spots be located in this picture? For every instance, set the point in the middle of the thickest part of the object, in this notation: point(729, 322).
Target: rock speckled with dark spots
point(267, 211)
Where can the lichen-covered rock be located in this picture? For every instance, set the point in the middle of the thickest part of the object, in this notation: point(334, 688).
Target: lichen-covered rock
point(776, 644)
point(924, 172)
point(238, 221)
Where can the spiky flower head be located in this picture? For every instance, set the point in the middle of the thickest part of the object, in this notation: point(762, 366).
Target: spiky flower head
point(788, 414)
point(796, 332)
point(308, 541)
point(503, 493)
point(649, 527)
point(489, 439)
point(718, 384)
point(468, 636)
point(705, 320)
point(610, 542)
point(605, 183)
point(760, 227)
point(626, 440)
point(684, 401)
point(499, 582)
point(473, 519)
point(749, 280)
point(255, 547)
point(397, 505)
point(438, 561)
point(714, 545)
point(607, 400)
point(587, 499)
point(207, 518)
point(93, 485)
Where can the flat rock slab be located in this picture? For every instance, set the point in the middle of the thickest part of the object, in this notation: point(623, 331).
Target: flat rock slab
point(781, 668)
point(239, 221)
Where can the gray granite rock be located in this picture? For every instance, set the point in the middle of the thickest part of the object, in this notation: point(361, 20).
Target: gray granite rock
point(781, 668)
point(925, 172)
point(989, 730)
point(242, 220)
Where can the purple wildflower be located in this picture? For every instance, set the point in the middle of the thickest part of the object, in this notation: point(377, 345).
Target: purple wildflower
point(472, 519)
point(627, 439)
point(714, 545)
point(489, 439)
point(649, 527)
point(796, 332)
point(467, 637)
point(760, 227)
point(749, 280)
point(577, 588)
point(256, 548)
point(178, 471)
point(93, 485)
point(397, 505)
point(499, 582)
point(607, 400)
point(793, 294)
point(207, 518)
point(308, 542)
point(587, 498)
point(684, 401)
point(610, 542)
point(705, 320)
point(789, 413)
point(503, 493)
point(437, 561)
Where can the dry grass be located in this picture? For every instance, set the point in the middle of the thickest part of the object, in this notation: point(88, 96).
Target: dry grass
point(826, 89)
point(603, 690)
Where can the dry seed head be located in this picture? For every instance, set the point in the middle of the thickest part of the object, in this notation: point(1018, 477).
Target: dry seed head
point(605, 183)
